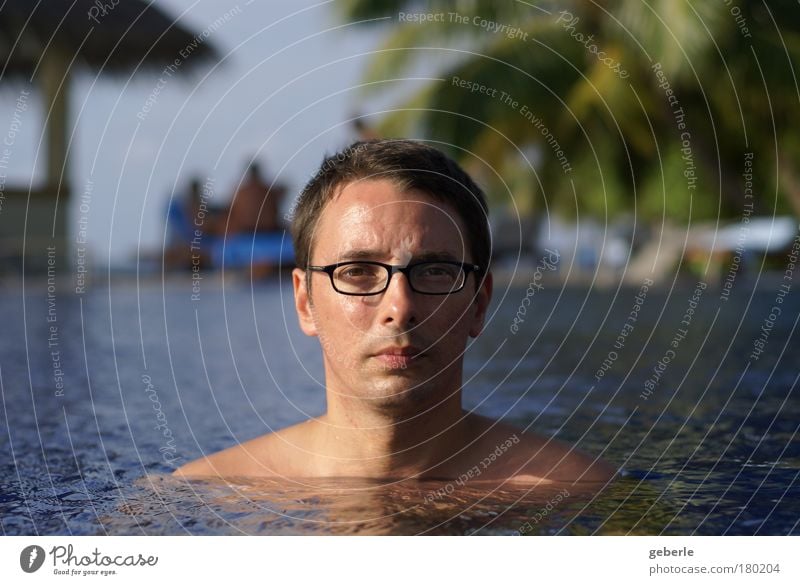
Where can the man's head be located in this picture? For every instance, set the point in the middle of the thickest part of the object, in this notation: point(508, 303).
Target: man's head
point(397, 203)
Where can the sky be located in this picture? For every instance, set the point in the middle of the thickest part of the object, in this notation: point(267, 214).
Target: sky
point(283, 91)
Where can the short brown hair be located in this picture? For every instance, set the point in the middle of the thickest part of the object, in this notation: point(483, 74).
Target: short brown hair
point(409, 165)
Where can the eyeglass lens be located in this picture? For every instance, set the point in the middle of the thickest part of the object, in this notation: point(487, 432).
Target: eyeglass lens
point(427, 277)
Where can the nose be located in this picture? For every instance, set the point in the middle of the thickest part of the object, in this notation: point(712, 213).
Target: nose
point(398, 303)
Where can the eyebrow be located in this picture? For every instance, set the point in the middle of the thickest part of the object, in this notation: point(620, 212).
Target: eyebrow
point(422, 257)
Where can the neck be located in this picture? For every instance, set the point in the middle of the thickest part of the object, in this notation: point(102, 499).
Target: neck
point(364, 441)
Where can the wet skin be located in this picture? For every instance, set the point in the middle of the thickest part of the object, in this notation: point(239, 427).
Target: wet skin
point(393, 363)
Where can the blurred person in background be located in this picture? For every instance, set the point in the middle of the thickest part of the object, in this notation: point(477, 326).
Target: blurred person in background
point(255, 206)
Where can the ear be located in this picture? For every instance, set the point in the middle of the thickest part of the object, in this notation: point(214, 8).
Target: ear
point(302, 303)
point(480, 305)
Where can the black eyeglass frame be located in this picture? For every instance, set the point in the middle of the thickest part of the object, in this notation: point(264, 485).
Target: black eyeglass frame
point(466, 268)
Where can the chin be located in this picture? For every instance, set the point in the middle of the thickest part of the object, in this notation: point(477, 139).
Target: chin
point(400, 394)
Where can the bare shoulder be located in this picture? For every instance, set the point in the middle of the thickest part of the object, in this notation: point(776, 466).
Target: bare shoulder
point(556, 461)
point(533, 457)
point(264, 456)
point(249, 458)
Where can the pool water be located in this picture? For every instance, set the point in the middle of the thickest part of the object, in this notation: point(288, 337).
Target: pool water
point(706, 435)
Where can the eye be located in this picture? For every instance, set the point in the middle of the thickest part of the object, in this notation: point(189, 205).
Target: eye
point(353, 272)
point(438, 271)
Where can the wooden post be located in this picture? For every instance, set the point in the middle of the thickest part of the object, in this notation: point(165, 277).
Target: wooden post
point(55, 81)
point(44, 232)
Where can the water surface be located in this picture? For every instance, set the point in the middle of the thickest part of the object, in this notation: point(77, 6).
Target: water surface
point(153, 379)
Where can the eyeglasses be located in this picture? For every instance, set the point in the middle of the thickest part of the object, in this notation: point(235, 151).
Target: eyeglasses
point(364, 278)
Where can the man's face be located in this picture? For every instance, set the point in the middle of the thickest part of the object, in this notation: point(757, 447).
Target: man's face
point(400, 348)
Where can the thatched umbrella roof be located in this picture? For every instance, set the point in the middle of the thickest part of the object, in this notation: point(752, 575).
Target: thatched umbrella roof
point(117, 39)
point(49, 38)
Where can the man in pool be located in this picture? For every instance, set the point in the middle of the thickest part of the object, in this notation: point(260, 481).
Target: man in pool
point(392, 242)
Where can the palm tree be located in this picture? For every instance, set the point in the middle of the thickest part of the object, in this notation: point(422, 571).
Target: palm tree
point(604, 107)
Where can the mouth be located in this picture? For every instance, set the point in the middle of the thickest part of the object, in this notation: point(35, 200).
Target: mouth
point(396, 357)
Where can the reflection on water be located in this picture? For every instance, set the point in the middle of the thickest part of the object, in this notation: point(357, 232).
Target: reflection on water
point(165, 504)
point(712, 450)
point(343, 506)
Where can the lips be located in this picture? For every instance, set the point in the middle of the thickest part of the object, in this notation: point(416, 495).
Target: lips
point(407, 351)
point(396, 357)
